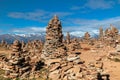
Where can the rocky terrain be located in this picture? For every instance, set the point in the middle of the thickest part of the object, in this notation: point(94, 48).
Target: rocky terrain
point(61, 58)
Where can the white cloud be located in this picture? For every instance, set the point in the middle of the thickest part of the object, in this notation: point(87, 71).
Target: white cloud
point(119, 1)
point(82, 26)
point(76, 7)
point(29, 30)
point(99, 4)
point(95, 4)
point(91, 25)
point(38, 15)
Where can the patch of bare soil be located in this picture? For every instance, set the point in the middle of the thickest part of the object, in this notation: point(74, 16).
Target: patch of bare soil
point(111, 67)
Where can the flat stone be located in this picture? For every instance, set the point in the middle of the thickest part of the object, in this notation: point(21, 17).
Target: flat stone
point(67, 68)
point(13, 62)
point(72, 58)
point(78, 61)
point(14, 74)
point(50, 61)
point(25, 74)
point(25, 68)
point(118, 48)
point(55, 66)
point(54, 75)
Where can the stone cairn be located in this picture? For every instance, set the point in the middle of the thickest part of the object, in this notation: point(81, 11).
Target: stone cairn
point(33, 50)
point(74, 45)
point(17, 65)
point(60, 63)
point(3, 44)
point(68, 38)
point(54, 37)
point(87, 37)
point(111, 35)
point(111, 32)
point(101, 33)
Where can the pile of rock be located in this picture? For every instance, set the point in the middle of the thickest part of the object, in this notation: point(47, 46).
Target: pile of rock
point(112, 31)
point(65, 67)
point(74, 45)
point(68, 40)
point(17, 65)
point(115, 56)
point(4, 44)
point(86, 36)
point(101, 33)
point(71, 67)
point(32, 46)
point(3, 59)
point(54, 38)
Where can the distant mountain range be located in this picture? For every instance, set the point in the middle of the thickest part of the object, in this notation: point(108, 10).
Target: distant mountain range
point(9, 38)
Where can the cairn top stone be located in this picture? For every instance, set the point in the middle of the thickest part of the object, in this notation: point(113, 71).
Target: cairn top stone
point(54, 21)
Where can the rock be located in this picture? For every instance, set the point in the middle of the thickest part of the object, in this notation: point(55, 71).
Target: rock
point(14, 74)
point(118, 48)
point(25, 68)
point(70, 58)
point(54, 75)
point(99, 65)
point(54, 67)
point(25, 75)
point(50, 61)
point(78, 61)
point(67, 68)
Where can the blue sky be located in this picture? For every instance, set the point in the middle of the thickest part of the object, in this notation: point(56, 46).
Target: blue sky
point(32, 16)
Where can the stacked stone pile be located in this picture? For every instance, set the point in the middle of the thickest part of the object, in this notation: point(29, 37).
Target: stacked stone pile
point(16, 65)
point(86, 36)
point(71, 67)
point(4, 44)
point(68, 38)
point(115, 55)
point(101, 33)
point(64, 67)
point(111, 36)
point(32, 52)
point(64, 63)
point(54, 38)
point(74, 45)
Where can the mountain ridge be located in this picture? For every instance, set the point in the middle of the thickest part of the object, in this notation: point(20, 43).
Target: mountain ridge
point(9, 38)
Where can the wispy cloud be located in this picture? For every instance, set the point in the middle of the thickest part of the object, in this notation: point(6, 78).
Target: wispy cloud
point(38, 15)
point(79, 25)
point(77, 7)
point(30, 29)
point(99, 4)
point(91, 25)
point(119, 1)
point(95, 4)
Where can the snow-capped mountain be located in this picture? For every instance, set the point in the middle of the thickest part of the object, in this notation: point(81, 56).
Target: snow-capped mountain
point(38, 36)
point(21, 37)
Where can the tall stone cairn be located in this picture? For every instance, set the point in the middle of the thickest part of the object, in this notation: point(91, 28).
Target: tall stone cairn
point(54, 36)
point(3, 44)
point(101, 34)
point(112, 31)
point(87, 36)
point(68, 38)
point(17, 66)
